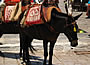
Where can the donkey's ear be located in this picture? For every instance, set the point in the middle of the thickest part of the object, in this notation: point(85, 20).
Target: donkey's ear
point(76, 17)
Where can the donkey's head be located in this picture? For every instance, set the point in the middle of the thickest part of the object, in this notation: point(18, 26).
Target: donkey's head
point(64, 23)
point(71, 30)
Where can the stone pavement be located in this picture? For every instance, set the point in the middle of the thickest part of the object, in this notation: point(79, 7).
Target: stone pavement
point(59, 58)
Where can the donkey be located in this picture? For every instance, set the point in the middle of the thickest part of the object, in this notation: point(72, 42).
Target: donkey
point(12, 28)
point(49, 32)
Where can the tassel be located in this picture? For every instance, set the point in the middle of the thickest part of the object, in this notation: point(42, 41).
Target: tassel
point(75, 29)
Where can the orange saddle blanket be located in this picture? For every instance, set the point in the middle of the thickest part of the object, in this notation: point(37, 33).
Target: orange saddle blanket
point(47, 12)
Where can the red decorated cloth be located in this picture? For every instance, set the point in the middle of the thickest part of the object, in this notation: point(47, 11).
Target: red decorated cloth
point(88, 9)
point(31, 0)
point(8, 13)
point(33, 15)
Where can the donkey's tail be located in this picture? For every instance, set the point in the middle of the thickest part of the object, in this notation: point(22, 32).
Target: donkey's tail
point(32, 49)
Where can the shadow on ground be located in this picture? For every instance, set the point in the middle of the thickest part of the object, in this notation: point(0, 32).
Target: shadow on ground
point(35, 60)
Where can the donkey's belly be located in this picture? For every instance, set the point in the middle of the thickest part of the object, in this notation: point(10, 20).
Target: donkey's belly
point(40, 32)
point(9, 28)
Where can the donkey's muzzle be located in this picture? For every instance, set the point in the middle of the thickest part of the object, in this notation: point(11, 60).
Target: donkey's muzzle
point(74, 43)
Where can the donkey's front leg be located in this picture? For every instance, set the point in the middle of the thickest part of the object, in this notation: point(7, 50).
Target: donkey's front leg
point(51, 52)
point(28, 44)
point(45, 46)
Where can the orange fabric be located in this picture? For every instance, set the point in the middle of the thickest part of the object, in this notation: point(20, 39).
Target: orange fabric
point(88, 4)
point(88, 8)
point(47, 12)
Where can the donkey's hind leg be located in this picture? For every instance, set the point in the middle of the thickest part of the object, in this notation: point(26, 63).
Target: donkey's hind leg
point(51, 47)
point(21, 47)
point(45, 46)
point(26, 49)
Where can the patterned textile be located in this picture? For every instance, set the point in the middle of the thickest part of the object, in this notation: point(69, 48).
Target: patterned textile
point(33, 15)
point(9, 13)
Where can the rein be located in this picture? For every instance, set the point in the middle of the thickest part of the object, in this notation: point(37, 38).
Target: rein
point(73, 23)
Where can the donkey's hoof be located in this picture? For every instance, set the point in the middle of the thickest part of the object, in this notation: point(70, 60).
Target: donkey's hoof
point(44, 63)
point(28, 63)
point(21, 58)
point(23, 63)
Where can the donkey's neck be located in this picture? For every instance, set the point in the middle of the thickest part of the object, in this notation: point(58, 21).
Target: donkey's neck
point(59, 14)
point(58, 24)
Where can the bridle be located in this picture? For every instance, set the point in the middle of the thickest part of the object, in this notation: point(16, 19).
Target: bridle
point(73, 23)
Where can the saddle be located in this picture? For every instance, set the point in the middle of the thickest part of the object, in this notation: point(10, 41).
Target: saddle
point(34, 15)
point(47, 12)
